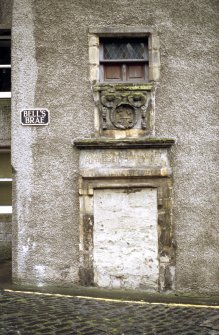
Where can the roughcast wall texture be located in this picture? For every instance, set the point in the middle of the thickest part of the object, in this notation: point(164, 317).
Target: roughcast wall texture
point(50, 70)
point(6, 12)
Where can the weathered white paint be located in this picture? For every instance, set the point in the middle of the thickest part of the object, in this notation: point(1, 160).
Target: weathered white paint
point(125, 238)
point(40, 274)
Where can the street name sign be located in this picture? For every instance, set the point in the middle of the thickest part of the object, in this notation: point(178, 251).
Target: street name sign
point(35, 117)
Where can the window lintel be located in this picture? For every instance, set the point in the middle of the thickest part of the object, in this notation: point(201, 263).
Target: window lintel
point(122, 31)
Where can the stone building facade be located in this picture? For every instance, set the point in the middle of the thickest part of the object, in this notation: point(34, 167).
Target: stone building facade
point(118, 188)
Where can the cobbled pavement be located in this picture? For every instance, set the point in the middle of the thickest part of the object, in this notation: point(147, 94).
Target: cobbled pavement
point(30, 313)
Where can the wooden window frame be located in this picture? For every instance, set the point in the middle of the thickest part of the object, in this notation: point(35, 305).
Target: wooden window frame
point(124, 64)
point(95, 34)
point(7, 181)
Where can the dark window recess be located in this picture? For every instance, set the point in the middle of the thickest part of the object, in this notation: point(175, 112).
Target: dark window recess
point(5, 80)
point(5, 179)
point(5, 165)
point(6, 193)
point(5, 61)
point(123, 60)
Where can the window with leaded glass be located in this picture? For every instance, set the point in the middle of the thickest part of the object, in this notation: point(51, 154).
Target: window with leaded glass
point(123, 60)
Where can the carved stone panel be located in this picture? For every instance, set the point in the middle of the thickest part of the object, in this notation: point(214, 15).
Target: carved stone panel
point(123, 117)
point(125, 108)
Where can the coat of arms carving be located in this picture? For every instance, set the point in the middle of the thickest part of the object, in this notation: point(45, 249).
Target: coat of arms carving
point(123, 117)
point(125, 108)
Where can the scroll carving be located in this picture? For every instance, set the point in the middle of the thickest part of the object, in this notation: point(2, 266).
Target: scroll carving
point(125, 110)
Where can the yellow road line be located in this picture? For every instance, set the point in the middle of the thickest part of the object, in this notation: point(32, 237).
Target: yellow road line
point(115, 300)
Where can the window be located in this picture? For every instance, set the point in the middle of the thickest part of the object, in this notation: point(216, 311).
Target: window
point(5, 106)
point(124, 69)
point(123, 60)
point(5, 63)
point(5, 182)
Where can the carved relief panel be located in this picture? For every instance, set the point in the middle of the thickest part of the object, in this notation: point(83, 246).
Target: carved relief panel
point(125, 108)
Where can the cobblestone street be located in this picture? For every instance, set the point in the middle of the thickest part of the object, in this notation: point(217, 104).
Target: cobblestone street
point(34, 313)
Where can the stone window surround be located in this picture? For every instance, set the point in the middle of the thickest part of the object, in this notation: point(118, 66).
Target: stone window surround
point(94, 35)
point(153, 48)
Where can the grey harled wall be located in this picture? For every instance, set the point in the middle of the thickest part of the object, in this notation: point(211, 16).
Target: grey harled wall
point(6, 12)
point(5, 237)
point(50, 60)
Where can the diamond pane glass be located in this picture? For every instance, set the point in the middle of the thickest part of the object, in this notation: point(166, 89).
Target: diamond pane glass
point(123, 50)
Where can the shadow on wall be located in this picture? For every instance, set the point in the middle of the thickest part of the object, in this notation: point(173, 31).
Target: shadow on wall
point(5, 272)
point(5, 249)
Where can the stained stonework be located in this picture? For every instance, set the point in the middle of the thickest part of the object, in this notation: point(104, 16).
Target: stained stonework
point(125, 110)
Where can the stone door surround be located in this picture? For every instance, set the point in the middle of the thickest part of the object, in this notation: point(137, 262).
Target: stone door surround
point(126, 164)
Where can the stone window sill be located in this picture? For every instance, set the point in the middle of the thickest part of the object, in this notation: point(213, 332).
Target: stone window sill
point(123, 86)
